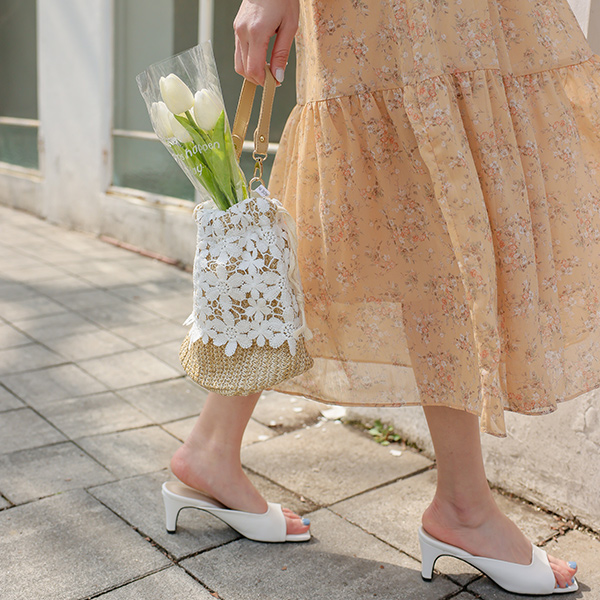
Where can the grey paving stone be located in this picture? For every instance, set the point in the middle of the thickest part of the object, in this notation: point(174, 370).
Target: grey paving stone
point(16, 237)
point(53, 327)
point(93, 344)
point(39, 388)
point(94, 415)
point(275, 493)
point(167, 400)
point(151, 333)
point(55, 254)
point(87, 298)
point(255, 431)
point(393, 513)
point(180, 429)
point(576, 546)
point(328, 462)
point(138, 500)
point(537, 525)
point(169, 354)
point(116, 264)
point(27, 358)
point(25, 308)
point(118, 313)
point(37, 472)
point(175, 307)
point(132, 452)
point(91, 246)
point(11, 338)
point(23, 428)
point(69, 547)
point(176, 282)
point(11, 290)
point(4, 502)
point(11, 260)
point(171, 583)
point(286, 412)
point(116, 271)
point(61, 286)
point(339, 563)
point(128, 369)
point(36, 273)
point(8, 401)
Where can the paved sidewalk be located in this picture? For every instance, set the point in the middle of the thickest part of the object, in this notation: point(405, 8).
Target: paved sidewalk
point(93, 402)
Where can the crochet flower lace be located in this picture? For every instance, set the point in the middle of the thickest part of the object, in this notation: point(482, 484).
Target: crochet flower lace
point(246, 283)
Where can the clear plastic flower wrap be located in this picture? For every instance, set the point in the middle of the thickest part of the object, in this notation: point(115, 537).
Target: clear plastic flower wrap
point(247, 327)
point(184, 99)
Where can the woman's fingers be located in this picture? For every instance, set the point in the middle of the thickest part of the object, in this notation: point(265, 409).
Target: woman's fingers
point(255, 24)
point(281, 49)
point(239, 57)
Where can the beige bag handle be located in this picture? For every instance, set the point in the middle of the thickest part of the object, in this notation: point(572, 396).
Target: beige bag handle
point(244, 110)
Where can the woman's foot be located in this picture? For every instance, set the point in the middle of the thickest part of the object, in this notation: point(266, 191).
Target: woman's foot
point(483, 530)
point(199, 468)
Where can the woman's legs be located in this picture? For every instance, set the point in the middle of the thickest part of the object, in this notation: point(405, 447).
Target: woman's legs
point(463, 512)
point(209, 459)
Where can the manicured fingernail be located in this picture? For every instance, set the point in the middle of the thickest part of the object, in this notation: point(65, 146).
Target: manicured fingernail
point(572, 579)
point(305, 521)
point(279, 74)
point(572, 564)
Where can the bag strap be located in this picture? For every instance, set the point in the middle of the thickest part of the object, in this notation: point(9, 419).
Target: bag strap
point(244, 110)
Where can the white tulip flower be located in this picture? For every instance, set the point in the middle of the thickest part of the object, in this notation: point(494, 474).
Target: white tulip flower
point(207, 109)
point(159, 114)
point(176, 94)
point(179, 131)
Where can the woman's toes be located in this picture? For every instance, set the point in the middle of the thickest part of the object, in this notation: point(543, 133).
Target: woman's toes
point(563, 571)
point(295, 523)
point(295, 526)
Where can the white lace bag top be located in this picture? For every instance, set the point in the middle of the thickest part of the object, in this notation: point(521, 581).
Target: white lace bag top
point(246, 281)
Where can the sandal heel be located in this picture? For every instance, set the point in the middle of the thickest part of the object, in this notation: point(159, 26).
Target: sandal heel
point(172, 508)
point(429, 555)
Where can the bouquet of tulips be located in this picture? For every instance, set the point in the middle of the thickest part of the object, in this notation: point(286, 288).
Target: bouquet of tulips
point(248, 325)
point(194, 126)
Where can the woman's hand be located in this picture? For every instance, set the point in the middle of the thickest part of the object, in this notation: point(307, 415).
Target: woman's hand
point(256, 23)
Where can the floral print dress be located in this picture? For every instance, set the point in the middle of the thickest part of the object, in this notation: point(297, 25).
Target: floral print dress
point(443, 167)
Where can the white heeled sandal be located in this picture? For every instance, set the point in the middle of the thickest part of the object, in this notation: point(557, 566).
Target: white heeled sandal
point(536, 578)
point(266, 527)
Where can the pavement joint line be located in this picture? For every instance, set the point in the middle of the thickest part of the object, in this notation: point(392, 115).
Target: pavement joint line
point(11, 504)
point(571, 523)
point(73, 397)
point(382, 485)
point(301, 497)
point(214, 547)
point(210, 590)
point(461, 591)
point(133, 428)
point(386, 542)
point(120, 585)
point(44, 418)
point(147, 537)
point(44, 368)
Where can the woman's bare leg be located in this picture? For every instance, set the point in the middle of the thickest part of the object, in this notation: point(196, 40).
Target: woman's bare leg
point(463, 512)
point(209, 459)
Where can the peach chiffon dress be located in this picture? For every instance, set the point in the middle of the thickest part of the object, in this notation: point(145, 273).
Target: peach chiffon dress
point(443, 167)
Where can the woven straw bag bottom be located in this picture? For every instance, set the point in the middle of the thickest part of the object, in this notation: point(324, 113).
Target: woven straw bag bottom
point(247, 371)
